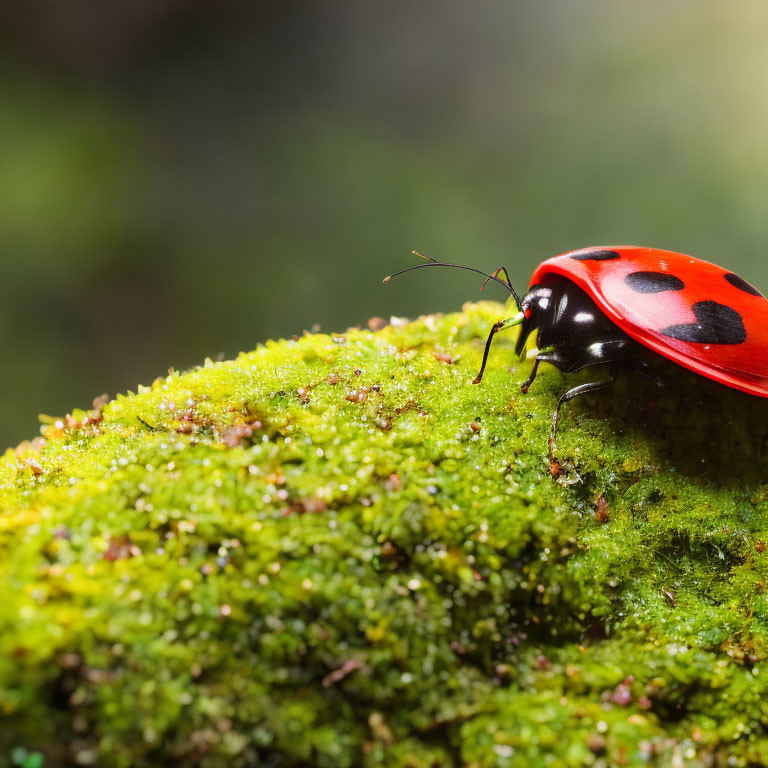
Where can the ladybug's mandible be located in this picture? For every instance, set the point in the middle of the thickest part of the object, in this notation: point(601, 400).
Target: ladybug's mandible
point(618, 305)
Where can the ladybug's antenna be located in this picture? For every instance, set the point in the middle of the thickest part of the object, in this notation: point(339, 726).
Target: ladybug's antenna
point(434, 263)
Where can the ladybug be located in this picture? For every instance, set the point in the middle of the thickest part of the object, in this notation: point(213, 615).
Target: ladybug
point(620, 306)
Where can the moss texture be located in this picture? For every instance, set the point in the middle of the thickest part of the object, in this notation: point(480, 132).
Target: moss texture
point(336, 551)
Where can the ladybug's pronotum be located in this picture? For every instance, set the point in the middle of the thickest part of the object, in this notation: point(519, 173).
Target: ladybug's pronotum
point(610, 305)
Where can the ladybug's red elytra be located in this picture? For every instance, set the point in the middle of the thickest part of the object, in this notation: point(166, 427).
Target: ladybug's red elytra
point(610, 305)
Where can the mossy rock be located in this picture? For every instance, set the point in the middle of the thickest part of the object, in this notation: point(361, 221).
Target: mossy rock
point(336, 551)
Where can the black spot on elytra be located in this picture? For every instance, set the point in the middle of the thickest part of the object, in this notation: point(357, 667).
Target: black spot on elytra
point(742, 284)
point(653, 282)
point(715, 324)
point(596, 256)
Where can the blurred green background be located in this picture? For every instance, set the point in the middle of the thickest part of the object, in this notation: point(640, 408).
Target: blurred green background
point(184, 179)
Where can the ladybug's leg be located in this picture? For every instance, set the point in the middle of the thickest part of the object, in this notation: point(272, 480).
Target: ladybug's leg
point(507, 322)
point(582, 389)
point(526, 385)
point(540, 356)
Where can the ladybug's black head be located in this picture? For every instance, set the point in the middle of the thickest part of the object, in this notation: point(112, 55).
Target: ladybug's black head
point(533, 311)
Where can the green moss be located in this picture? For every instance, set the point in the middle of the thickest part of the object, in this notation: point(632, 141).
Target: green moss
point(336, 551)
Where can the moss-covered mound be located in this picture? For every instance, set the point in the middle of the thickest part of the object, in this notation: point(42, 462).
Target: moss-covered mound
point(335, 551)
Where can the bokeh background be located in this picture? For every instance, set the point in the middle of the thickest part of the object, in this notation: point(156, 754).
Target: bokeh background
point(182, 179)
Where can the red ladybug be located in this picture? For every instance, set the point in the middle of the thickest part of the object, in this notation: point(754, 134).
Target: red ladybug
point(610, 305)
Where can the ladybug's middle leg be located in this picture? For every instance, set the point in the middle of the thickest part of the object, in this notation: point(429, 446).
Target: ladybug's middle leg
point(582, 389)
point(526, 385)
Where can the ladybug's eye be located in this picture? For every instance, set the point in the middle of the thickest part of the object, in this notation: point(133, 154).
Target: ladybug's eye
point(527, 313)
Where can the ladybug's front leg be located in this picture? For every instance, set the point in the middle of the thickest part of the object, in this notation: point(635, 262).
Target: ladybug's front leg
point(507, 322)
point(582, 389)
